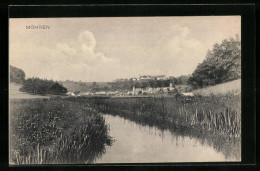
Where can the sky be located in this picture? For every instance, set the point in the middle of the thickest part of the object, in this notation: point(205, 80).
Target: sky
point(108, 48)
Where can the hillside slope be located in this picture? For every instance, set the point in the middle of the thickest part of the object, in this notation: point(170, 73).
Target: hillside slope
point(14, 93)
point(232, 86)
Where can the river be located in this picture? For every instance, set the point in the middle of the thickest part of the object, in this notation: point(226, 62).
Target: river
point(135, 143)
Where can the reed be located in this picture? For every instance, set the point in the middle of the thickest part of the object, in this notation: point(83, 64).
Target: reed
point(216, 114)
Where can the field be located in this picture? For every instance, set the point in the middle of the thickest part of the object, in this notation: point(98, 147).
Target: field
point(55, 131)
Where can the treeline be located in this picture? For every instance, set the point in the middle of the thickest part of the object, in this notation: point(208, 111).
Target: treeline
point(122, 84)
point(128, 84)
point(42, 86)
point(16, 75)
point(222, 64)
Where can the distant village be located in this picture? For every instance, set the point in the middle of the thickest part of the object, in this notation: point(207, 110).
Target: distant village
point(169, 88)
point(145, 78)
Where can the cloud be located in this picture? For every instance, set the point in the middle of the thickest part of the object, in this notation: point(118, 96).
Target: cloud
point(87, 39)
point(182, 46)
point(178, 54)
point(82, 51)
point(65, 49)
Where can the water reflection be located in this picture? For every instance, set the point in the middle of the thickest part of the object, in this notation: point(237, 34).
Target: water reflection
point(135, 143)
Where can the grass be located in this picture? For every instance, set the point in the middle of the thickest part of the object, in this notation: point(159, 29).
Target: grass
point(215, 119)
point(218, 114)
point(55, 131)
point(224, 88)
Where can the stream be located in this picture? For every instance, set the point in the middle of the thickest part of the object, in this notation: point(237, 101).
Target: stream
point(135, 143)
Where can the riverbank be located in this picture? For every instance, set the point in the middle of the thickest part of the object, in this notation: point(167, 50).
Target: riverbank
point(216, 119)
point(55, 131)
point(218, 114)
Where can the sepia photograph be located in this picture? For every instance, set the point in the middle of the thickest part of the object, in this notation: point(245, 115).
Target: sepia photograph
point(104, 90)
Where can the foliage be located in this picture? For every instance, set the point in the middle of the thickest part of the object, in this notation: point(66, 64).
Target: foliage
point(16, 75)
point(222, 64)
point(128, 84)
point(40, 86)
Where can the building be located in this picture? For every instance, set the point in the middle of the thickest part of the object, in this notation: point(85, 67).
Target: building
point(160, 77)
point(145, 78)
point(137, 90)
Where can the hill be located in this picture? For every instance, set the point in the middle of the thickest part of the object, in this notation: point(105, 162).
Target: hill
point(232, 86)
point(73, 86)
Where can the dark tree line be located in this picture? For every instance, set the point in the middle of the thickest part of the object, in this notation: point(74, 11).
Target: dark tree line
point(40, 86)
point(35, 85)
point(16, 75)
point(222, 64)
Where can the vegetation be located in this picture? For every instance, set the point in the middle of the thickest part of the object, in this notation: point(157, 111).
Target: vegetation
point(216, 119)
point(16, 75)
point(40, 86)
point(55, 131)
point(122, 84)
point(222, 64)
point(128, 84)
point(216, 114)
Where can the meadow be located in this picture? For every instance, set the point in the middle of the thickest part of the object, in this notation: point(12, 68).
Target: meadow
point(55, 131)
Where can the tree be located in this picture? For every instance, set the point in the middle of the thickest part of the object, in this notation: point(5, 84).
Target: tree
point(39, 86)
point(56, 88)
point(16, 75)
point(222, 64)
point(173, 80)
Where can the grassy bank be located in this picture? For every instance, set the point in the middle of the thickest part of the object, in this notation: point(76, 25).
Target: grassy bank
point(55, 131)
point(224, 88)
point(218, 114)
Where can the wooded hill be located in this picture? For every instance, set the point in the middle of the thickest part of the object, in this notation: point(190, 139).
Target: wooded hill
point(35, 85)
point(222, 64)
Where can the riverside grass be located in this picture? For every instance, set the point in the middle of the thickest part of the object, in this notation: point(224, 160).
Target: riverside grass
point(217, 114)
point(55, 131)
point(214, 119)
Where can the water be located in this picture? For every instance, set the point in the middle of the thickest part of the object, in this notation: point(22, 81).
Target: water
point(135, 143)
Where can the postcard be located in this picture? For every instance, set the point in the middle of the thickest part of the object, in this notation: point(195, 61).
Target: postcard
point(93, 90)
